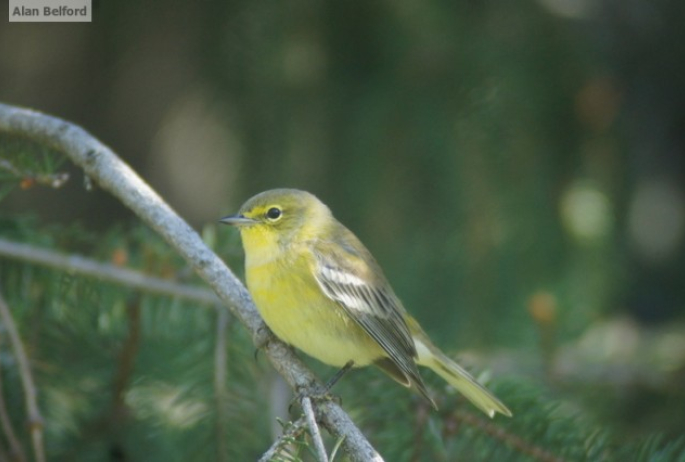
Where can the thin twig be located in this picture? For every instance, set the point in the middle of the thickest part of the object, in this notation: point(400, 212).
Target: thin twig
point(16, 451)
point(220, 393)
point(53, 180)
point(103, 166)
point(515, 441)
point(314, 429)
point(291, 432)
point(280, 400)
point(126, 358)
point(76, 264)
point(30, 391)
point(124, 373)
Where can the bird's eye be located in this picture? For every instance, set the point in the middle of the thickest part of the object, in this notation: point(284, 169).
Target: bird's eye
point(274, 213)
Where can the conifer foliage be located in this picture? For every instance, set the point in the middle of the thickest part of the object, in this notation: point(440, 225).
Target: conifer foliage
point(110, 349)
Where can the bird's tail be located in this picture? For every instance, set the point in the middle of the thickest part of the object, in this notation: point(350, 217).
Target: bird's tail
point(430, 356)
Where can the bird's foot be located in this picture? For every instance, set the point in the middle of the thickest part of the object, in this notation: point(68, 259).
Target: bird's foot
point(261, 339)
point(316, 396)
point(323, 393)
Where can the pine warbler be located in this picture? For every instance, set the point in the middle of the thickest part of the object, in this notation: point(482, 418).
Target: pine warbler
point(319, 289)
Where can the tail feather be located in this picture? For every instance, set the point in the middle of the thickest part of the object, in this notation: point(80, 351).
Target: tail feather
point(459, 378)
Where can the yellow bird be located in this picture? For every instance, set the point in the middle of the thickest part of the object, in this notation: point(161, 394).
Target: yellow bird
point(319, 289)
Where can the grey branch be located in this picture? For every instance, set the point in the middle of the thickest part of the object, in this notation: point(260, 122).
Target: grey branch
point(112, 174)
point(75, 264)
point(308, 410)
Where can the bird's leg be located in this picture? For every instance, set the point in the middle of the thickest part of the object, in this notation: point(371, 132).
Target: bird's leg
point(324, 394)
point(338, 375)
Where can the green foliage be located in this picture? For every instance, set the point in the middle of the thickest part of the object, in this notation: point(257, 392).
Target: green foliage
point(542, 429)
point(24, 163)
point(121, 372)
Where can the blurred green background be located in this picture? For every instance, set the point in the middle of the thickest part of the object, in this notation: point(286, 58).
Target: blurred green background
point(516, 167)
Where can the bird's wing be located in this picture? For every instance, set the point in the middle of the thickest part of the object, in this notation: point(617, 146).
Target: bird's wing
point(353, 279)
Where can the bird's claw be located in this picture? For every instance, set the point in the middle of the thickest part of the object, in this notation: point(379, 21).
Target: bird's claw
point(320, 395)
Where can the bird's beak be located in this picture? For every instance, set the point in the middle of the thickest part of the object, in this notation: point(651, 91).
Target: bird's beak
point(237, 220)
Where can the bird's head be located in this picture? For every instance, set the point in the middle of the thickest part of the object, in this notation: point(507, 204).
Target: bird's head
point(280, 216)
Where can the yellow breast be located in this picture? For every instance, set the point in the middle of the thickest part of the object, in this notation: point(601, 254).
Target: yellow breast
point(299, 313)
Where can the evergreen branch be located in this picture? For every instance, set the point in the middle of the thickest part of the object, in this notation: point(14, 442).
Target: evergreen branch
point(30, 391)
point(16, 451)
point(76, 264)
point(53, 180)
point(290, 433)
point(103, 166)
point(314, 429)
point(515, 441)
